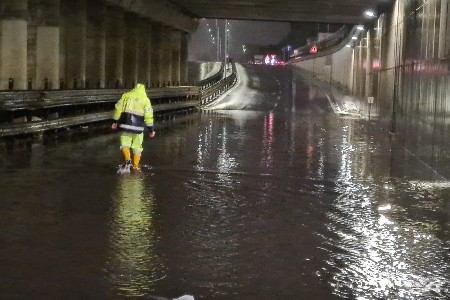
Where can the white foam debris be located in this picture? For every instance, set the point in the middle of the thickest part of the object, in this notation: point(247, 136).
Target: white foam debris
point(185, 297)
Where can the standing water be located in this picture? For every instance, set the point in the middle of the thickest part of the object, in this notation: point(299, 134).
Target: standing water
point(269, 196)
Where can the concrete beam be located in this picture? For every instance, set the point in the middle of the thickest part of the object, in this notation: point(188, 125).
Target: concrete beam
point(161, 11)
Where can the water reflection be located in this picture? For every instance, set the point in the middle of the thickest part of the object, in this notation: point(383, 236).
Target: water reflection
point(268, 140)
point(133, 264)
point(381, 248)
point(310, 147)
point(293, 96)
point(204, 145)
point(226, 163)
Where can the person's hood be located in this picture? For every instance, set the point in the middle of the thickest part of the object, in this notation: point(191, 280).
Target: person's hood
point(138, 91)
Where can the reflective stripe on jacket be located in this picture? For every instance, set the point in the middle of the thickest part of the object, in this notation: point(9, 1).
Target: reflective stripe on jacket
point(134, 111)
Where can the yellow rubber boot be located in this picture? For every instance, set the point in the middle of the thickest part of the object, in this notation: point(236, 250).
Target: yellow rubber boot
point(136, 160)
point(126, 154)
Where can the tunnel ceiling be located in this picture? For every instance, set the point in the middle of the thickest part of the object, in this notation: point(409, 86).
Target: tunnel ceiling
point(322, 11)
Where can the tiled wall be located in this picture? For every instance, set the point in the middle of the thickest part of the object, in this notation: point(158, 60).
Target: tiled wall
point(413, 82)
point(403, 61)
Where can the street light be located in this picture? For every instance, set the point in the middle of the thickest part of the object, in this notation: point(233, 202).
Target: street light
point(369, 13)
point(227, 30)
point(218, 41)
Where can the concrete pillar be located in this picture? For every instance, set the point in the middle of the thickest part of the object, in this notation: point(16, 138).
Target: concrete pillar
point(155, 61)
point(176, 57)
point(13, 45)
point(184, 58)
point(444, 28)
point(144, 44)
point(130, 51)
point(165, 56)
point(96, 45)
point(369, 62)
point(360, 77)
point(355, 66)
point(47, 46)
point(352, 86)
point(74, 14)
point(114, 47)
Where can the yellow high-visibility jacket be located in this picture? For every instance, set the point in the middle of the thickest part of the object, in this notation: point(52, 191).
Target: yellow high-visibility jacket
point(133, 112)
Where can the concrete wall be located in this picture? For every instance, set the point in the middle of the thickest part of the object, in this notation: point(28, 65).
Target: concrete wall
point(198, 71)
point(77, 44)
point(403, 61)
point(333, 68)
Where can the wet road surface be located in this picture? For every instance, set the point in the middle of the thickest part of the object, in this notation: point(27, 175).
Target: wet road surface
point(270, 197)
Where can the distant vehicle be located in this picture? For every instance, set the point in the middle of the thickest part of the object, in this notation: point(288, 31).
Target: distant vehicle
point(258, 59)
point(268, 59)
point(273, 60)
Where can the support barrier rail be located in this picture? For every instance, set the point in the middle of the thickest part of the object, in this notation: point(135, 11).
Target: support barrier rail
point(323, 47)
point(210, 81)
point(35, 111)
point(218, 88)
point(29, 112)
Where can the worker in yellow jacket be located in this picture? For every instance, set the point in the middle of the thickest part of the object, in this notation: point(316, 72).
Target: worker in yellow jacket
point(133, 112)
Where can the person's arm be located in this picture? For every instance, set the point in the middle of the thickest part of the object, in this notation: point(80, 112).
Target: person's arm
point(148, 119)
point(118, 109)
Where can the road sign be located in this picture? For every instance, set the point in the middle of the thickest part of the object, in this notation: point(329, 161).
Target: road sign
point(370, 100)
point(313, 49)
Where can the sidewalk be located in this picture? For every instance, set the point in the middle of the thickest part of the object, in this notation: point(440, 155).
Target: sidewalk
point(341, 102)
point(405, 161)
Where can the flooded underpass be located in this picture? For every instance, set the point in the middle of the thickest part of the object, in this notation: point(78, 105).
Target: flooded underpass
point(268, 196)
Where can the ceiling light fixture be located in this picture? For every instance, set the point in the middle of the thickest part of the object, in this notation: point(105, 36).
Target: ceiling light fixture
point(369, 13)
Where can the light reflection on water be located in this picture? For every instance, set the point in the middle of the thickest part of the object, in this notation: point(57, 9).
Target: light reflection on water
point(379, 241)
point(264, 193)
point(289, 204)
point(381, 257)
point(268, 140)
point(381, 249)
point(133, 265)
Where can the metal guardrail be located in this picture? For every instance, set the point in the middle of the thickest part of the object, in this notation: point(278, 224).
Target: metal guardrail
point(208, 82)
point(28, 112)
point(218, 88)
point(323, 47)
point(31, 100)
point(25, 112)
